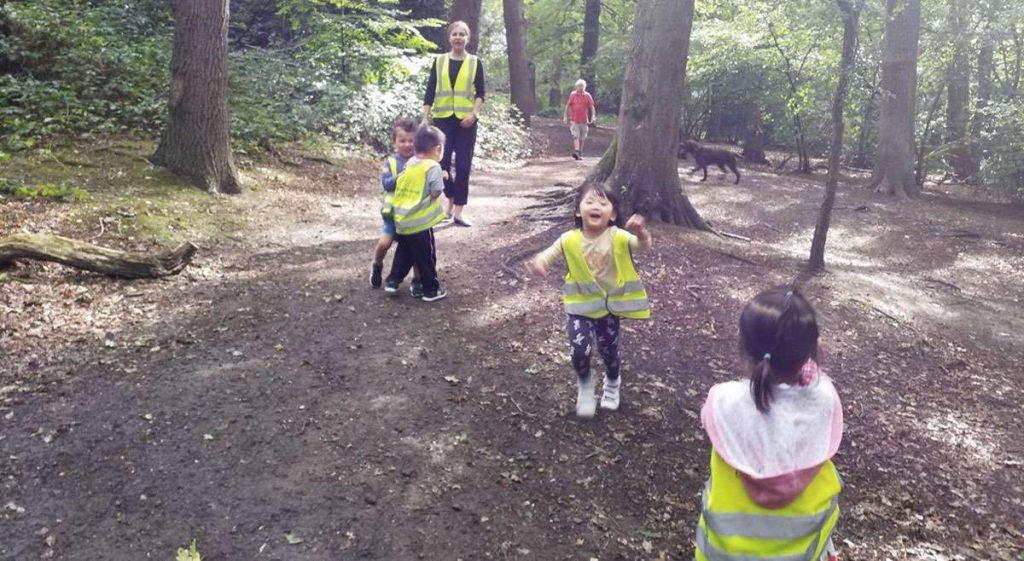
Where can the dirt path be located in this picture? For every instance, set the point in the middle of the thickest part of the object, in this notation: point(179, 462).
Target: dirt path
point(272, 406)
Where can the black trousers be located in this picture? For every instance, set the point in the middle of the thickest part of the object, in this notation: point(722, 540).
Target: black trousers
point(461, 142)
point(582, 332)
point(416, 249)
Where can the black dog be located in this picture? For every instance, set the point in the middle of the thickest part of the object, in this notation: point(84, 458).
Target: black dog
point(708, 156)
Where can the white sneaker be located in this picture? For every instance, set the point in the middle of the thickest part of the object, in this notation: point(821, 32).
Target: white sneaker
point(586, 401)
point(610, 397)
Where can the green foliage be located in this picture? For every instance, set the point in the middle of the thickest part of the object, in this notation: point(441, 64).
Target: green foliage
point(69, 67)
point(190, 554)
point(49, 191)
point(1003, 167)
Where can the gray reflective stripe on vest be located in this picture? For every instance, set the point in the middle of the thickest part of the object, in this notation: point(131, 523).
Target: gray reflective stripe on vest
point(626, 288)
point(571, 288)
point(766, 526)
point(714, 554)
point(406, 225)
point(582, 308)
point(470, 78)
point(631, 305)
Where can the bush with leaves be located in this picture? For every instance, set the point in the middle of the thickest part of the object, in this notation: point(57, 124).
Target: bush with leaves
point(1003, 167)
point(70, 67)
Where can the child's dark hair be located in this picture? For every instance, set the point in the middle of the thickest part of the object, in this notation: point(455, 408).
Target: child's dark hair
point(604, 191)
point(428, 138)
point(407, 125)
point(779, 333)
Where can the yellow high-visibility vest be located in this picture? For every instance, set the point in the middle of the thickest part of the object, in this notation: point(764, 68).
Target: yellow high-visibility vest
point(733, 527)
point(457, 99)
point(411, 205)
point(387, 200)
point(583, 296)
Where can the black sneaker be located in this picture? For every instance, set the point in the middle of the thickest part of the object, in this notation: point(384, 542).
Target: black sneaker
point(375, 274)
point(461, 222)
point(391, 288)
point(440, 294)
point(576, 155)
point(416, 289)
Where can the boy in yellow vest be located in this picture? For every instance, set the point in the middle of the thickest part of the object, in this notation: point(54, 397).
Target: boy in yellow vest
point(416, 210)
point(403, 135)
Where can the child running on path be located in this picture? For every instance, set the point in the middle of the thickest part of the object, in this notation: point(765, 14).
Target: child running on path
point(773, 488)
point(600, 288)
point(403, 135)
point(416, 211)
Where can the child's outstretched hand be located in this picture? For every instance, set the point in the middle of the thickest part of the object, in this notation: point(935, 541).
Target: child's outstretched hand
point(637, 224)
point(536, 268)
point(445, 175)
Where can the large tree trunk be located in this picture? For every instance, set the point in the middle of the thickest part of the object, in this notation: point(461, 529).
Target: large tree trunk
point(196, 143)
point(851, 14)
point(83, 255)
point(519, 69)
point(958, 91)
point(469, 12)
point(591, 38)
point(645, 164)
point(894, 160)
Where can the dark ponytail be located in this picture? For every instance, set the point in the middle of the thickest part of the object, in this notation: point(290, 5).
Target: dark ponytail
point(779, 334)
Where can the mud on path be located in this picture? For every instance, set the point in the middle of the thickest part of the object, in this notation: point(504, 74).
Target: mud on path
point(270, 405)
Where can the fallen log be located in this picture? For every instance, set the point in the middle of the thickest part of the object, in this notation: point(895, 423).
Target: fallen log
point(89, 257)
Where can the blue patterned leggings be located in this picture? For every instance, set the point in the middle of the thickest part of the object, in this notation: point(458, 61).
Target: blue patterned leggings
point(582, 331)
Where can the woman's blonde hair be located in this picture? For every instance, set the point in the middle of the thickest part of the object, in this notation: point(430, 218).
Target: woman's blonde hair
point(457, 23)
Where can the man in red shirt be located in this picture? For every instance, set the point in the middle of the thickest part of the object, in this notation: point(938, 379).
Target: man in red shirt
point(579, 112)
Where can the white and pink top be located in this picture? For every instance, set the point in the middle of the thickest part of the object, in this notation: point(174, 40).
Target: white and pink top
point(778, 453)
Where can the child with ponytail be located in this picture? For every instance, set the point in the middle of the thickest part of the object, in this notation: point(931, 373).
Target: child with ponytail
point(773, 488)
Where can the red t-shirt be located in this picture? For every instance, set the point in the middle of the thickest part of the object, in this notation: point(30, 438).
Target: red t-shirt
point(579, 106)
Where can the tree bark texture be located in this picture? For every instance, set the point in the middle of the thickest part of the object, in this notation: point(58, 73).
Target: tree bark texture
point(591, 39)
point(469, 12)
point(519, 68)
point(646, 167)
point(196, 143)
point(958, 91)
point(851, 15)
point(83, 255)
point(894, 160)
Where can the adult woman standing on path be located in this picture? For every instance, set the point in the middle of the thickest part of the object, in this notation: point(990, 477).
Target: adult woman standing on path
point(455, 92)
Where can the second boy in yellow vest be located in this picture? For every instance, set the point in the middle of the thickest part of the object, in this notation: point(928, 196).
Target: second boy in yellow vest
point(600, 287)
point(416, 210)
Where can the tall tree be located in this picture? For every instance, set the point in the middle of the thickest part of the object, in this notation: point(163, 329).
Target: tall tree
point(591, 38)
point(195, 143)
point(469, 12)
point(642, 159)
point(894, 163)
point(958, 92)
point(793, 73)
point(520, 71)
point(851, 15)
point(986, 50)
